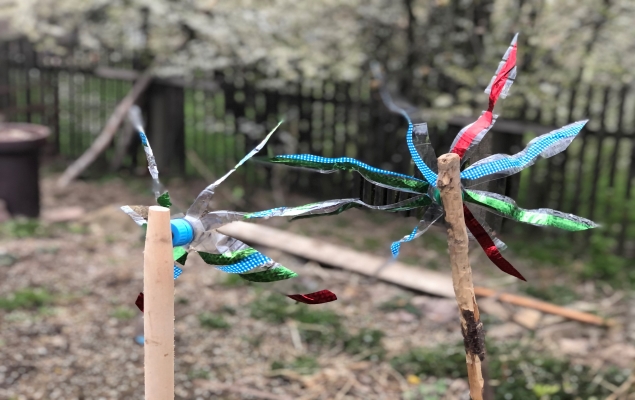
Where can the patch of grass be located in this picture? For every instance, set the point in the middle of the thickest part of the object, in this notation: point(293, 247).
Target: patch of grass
point(198, 374)
point(367, 342)
point(22, 227)
point(517, 372)
point(123, 313)
point(371, 244)
point(212, 321)
point(317, 326)
point(305, 365)
point(28, 298)
point(428, 391)
point(7, 260)
point(400, 303)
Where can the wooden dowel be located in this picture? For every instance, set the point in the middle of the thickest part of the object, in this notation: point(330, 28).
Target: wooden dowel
point(449, 184)
point(158, 313)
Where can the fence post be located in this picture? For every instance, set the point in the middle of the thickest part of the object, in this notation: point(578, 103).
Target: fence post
point(166, 126)
point(5, 94)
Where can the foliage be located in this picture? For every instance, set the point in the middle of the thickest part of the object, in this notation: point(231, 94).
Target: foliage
point(447, 47)
point(212, 321)
point(516, 371)
point(123, 313)
point(27, 298)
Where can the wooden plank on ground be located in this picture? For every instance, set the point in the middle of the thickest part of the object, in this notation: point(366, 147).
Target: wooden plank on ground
point(329, 254)
point(418, 279)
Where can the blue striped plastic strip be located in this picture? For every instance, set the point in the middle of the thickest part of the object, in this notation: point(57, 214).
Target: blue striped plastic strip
point(177, 272)
point(430, 176)
point(246, 264)
point(325, 160)
point(396, 246)
point(539, 146)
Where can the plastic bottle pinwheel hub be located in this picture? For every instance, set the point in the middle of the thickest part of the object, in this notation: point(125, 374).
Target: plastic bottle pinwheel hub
point(182, 232)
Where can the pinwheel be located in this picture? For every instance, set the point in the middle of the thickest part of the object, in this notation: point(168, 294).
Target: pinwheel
point(493, 167)
point(197, 230)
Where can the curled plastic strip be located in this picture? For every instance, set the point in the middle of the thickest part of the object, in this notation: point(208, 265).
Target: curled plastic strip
point(428, 174)
point(136, 119)
point(545, 146)
point(432, 214)
point(506, 207)
point(227, 258)
point(488, 245)
point(499, 86)
point(139, 302)
point(500, 245)
point(136, 217)
point(421, 141)
point(379, 177)
point(179, 254)
point(201, 204)
point(330, 206)
point(254, 262)
point(320, 297)
point(277, 273)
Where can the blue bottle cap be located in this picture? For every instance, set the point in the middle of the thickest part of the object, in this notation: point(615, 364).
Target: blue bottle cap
point(182, 232)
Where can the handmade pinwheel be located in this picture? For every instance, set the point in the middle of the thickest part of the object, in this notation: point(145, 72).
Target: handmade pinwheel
point(493, 167)
point(196, 231)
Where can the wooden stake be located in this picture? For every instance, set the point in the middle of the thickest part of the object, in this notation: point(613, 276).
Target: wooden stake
point(449, 184)
point(158, 313)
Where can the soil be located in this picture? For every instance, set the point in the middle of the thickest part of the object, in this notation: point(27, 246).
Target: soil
point(74, 335)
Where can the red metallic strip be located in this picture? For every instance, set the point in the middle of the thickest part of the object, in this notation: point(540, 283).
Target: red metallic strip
point(487, 244)
point(468, 136)
point(139, 301)
point(497, 87)
point(323, 296)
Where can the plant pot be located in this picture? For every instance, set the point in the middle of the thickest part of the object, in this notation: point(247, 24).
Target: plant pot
point(20, 146)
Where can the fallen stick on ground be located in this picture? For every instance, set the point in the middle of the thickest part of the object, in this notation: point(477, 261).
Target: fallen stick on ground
point(419, 279)
point(105, 137)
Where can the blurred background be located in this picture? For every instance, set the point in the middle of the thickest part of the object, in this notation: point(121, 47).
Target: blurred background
point(222, 75)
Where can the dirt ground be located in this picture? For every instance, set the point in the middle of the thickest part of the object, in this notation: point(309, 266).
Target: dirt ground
point(68, 320)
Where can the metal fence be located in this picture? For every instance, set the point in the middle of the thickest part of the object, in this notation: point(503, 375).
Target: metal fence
point(224, 117)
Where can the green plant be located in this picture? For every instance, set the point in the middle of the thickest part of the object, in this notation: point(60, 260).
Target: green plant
point(198, 374)
point(400, 303)
point(27, 298)
point(366, 342)
point(212, 321)
point(22, 227)
point(123, 313)
point(516, 371)
point(305, 365)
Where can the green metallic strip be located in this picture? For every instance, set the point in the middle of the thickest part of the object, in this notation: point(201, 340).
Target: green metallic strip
point(533, 217)
point(278, 273)
point(180, 255)
point(392, 182)
point(227, 258)
point(164, 200)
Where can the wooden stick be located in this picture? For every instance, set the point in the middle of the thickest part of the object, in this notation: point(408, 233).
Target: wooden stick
point(449, 184)
point(105, 137)
point(418, 279)
point(158, 306)
point(543, 306)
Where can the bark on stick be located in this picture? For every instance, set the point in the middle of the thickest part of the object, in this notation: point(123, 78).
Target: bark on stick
point(158, 313)
point(449, 184)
